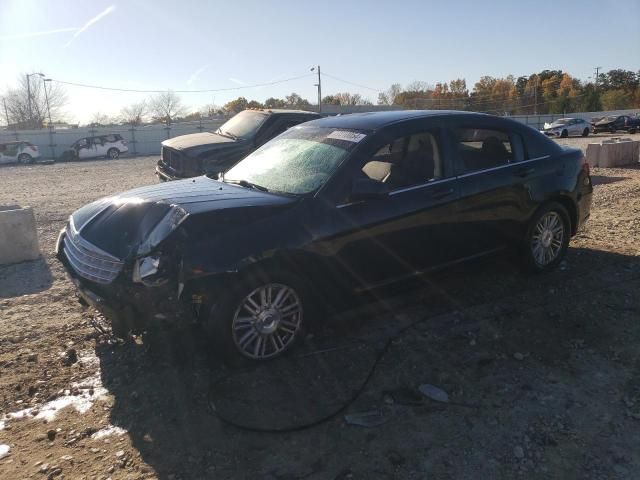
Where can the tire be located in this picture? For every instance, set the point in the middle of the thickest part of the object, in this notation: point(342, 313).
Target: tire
point(547, 238)
point(632, 131)
point(248, 326)
point(612, 130)
point(564, 134)
point(113, 153)
point(119, 328)
point(25, 158)
point(585, 132)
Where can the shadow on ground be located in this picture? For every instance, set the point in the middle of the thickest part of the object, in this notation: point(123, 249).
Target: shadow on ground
point(456, 328)
point(25, 278)
point(604, 179)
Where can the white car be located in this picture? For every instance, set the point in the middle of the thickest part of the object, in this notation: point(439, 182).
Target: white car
point(563, 127)
point(100, 146)
point(19, 151)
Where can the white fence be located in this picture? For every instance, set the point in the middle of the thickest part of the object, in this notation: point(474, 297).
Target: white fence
point(538, 121)
point(145, 140)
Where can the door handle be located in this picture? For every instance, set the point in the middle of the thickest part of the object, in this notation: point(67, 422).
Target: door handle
point(441, 193)
point(525, 172)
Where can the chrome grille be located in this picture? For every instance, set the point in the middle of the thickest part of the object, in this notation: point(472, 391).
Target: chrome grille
point(171, 158)
point(88, 260)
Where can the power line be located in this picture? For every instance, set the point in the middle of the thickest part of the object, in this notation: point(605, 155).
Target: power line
point(351, 83)
point(208, 90)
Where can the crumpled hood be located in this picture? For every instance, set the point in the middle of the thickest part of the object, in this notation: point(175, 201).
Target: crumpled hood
point(202, 139)
point(119, 224)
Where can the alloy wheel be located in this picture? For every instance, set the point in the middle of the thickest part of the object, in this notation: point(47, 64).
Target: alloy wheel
point(267, 321)
point(547, 238)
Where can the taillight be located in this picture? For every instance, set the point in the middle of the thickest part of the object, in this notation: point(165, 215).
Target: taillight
point(124, 142)
point(586, 168)
point(33, 147)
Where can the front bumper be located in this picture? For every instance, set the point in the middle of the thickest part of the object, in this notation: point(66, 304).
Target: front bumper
point(550, 133)
point(122, 301)
point(165, 175)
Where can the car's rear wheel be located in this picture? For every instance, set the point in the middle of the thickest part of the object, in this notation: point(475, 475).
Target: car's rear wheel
point(632, 131)
point(113, 153)
point(25, 158)
point(261, 318)
point(547, 237)
point(585, 132)
point(564, 134)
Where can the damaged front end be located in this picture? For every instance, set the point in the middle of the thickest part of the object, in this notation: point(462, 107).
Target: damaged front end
point(137, 290)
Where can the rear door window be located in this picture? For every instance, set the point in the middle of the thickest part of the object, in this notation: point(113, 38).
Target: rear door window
point(480, 149)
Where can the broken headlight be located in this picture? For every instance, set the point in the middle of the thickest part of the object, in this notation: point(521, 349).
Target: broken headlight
point(162, 230)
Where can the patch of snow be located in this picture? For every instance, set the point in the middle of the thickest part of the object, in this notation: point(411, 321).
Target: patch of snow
point(110, 430)
point(90, 389)
point(4, 450)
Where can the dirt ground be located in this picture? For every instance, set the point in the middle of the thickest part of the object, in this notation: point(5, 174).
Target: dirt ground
point(541, 372)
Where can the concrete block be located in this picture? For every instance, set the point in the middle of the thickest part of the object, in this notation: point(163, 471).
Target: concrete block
point(613, 153)
point(18, 235)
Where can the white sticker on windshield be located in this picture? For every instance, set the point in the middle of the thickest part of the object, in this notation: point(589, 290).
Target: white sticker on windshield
point(346, 135)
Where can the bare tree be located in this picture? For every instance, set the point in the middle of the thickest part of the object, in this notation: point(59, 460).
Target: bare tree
point(102, 120)
point(389, 97)
point(135, 113)
point(418, 86)
point(166, 106)
point(210, 110)
point(17, 101)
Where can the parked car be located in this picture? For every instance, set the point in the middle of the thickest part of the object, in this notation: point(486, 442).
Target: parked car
point(341, 204)
point(101, 146)
point(615, 123)
point(18, 152)
point(212, 152)
point(564, 127)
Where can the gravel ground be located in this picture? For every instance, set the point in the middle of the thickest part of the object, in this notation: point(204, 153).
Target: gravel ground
point(541, 372)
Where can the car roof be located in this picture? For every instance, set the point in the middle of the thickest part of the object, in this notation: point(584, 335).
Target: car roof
point(284, 111)
point(376, 120)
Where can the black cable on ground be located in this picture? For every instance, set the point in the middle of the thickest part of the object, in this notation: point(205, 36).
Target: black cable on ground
point(381, 353)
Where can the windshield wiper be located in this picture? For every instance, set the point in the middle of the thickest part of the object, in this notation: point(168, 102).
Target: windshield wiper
point(246, 184)
point(227, 134)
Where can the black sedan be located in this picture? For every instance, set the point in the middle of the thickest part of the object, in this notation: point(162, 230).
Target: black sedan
point(614, 123)
point(339, 204)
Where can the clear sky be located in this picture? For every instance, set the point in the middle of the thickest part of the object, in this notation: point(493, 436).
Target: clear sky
point(189, 44)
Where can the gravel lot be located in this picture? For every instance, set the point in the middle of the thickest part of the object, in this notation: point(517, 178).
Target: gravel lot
point(541, 372)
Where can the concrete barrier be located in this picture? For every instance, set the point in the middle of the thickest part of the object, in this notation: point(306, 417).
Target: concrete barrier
point(615, 152)
point(18, 235)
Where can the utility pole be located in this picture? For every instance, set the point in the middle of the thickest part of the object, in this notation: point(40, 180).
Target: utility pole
point(6, 112)
point(319, 85)
point(535, 101)
point(29, 99)
point(597, 69)
point(46, 96)
point(29, 95)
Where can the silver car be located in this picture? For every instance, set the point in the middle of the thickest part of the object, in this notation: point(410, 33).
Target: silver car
point(563, 127)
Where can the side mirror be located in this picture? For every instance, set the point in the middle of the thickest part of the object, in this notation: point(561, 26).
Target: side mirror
point(368, 188)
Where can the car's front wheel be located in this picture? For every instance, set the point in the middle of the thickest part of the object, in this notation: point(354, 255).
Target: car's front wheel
point(113, 153)
point(547, 237)
point(25, 158)
point(261, 318)
point(585, 132)
point(564, 134)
